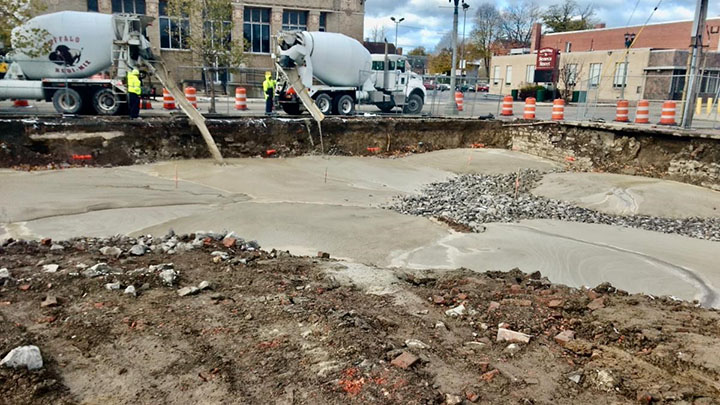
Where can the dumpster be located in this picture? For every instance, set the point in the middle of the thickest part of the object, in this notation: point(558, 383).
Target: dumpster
point(514, 94)
point(540, 95)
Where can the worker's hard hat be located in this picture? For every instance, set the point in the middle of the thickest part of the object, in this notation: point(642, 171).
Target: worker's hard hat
point(268, 74)
point(135, 72)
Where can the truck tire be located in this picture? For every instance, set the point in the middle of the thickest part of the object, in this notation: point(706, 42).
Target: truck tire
point(324, 102)
point(291, 108)
point(413, 104)
point(344, 105)
point(67, 101)
point(105, 102)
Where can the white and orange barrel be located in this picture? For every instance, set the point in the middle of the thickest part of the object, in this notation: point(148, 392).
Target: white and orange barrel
point(507, 106)
point(642, 113)
point(529, 113)
point(667, 116)
point(21, 103)
point(191, 96)
point(622, 112)
point(558, 110)
point(459, 100)
point(240, 99)
point(168, 100)
point(145, 104)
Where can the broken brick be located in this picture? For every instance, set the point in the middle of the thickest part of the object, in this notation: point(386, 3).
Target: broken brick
point(597, 304)
point(484, 365)
point(490, 375)
point(438, 299)
point(229, 242)
point(515, 289)
point(493, 306)
point(565, 336)
point(24, 287)
point(472, 397)
point(555, 303)
point(323, 255)
point(405, 360)
point(49, 301)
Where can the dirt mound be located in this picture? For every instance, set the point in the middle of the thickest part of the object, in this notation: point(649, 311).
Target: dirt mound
point(267, 327)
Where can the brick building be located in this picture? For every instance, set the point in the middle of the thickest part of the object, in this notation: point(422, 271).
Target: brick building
point(255, 22)
point(655, 69)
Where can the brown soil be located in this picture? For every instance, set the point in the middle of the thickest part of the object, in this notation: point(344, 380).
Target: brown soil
point(277, 329)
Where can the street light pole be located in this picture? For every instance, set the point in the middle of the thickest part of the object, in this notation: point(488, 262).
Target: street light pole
point(697, 43)
point(453, 78)
point(463, 62)
point(397, 24)
point(629, 39)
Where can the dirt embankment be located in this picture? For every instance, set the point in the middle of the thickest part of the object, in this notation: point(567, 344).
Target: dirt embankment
point(273, 328)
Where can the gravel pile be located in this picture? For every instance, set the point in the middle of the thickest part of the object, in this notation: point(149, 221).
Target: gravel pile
point(473, 200)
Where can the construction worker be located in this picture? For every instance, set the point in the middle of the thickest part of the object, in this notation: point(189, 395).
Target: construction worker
point(269, 90)
point(3, 69)
point(134, 87)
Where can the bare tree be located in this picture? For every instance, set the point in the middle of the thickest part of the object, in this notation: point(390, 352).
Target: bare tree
point(377, 34)
point(444, 43)
point(518, 19)
point(488, 28)
point(568, 75)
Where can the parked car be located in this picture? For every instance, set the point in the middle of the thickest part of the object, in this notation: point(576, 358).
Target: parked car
point(443, 87)
point(483, 87)
point(429, 86)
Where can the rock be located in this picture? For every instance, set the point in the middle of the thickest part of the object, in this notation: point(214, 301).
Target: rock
point(23, 356)
point(138, 250)
point(130, 290)
point(511, 349)
point(579, 346)
point(96, 270)
point(565, 336)
point(204, 285)
point(49, 301)
point(185, 291)
point(57, 248)
point(575, 377)
point(113, 286)
point(493, 306)
point(440, 325)
point(323, 255)
point(471, 396)
point(50, 268)
point(404, 360)
point(507, 335)
point(596, 304)
point(455, 312)
point(475, 345)
point(218, 255)
point(111, 251)
point(605, 380)
point(555, 303)
point(438, 299)
point(451, 399)
point(4, 273)
point(168, 277)
point(415, 344)
point(490, 375)
point(248, 317)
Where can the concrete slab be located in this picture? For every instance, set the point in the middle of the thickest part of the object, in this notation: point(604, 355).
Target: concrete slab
point(289, 204)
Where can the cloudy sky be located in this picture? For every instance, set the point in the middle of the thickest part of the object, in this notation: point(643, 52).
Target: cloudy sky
point(427, 20)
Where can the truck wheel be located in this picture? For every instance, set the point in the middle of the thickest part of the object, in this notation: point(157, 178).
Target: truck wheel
point(67, 101)
point(413, 105)
point(345, 105)
point(291, 108)
point(324, 103)
point(105, 102)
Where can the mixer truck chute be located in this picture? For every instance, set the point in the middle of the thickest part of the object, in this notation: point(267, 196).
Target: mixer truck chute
point(339, 73)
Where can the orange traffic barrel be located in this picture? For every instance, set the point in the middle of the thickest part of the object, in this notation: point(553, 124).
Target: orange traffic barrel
point(459, 100)
point(241, 99)
point(168, 100)
point(667, 116)
point(529, 108)
point(145, 104)
point(507, 106)
point(21, 103)
point(622, 111)
point(191, 96)
point(642, 114)
point(558, 110)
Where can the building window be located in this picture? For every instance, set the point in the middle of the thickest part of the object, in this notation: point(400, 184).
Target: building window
point(568, 47)
point(174, 31)
point(92, 5)
point(294, 20)
point(323, 21)
point(496, 74)
point(218, 32)
point(128, 6)
point(508, 75)
point(595, 69)
point(710, 82)
point(572, 73)
point(620, 79)
point(256, 29)
point(530, 74)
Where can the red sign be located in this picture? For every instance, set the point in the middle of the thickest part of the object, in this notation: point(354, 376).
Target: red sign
point(547, 59)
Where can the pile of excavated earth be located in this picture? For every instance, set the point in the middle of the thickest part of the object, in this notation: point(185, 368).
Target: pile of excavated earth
point(474, 199)
point(211, 318)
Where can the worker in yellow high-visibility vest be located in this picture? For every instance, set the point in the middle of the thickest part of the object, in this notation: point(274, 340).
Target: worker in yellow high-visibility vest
point(134, 87)
point(269, 90)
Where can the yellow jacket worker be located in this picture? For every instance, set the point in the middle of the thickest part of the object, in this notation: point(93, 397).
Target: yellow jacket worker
point(134, 87)
point(269, 90)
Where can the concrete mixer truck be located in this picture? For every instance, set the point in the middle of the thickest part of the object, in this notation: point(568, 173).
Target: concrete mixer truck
point(340, 73)
point(77, 46)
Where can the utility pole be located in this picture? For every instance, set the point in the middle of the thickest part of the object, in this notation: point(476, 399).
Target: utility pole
point(397, 24)
point(692, 75)
point(629, 39)
point(453, 79)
